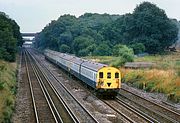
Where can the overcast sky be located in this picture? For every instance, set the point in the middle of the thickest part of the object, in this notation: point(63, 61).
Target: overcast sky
point(33, 15)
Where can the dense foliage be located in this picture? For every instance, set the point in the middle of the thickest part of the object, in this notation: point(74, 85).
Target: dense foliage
point(147, 29)
point(10, 37)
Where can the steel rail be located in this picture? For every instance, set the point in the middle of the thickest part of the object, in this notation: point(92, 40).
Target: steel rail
point(75, 119)
point(31, 90)
point(45, 96)
point(176, 113)
point(138, 112)
point(50, 102)
point(69, 93)
point(122, 114)
point(148, 109)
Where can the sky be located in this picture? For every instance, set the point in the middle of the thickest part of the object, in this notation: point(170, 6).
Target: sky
point(34, 15)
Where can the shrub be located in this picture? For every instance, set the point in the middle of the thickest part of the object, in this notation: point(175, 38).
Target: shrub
point(149, 86)
point(7, 115)
point(64, 48)
point(2, 67)
point(83, 52)
point(124, 53)
point(1, 85)
point(173, 96)
point(138, 48)
point(102, 50)
point(117, 62)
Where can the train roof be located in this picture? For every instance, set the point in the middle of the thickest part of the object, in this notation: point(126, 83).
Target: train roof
point(66, 56)
point(93, 65)
point(77, 60)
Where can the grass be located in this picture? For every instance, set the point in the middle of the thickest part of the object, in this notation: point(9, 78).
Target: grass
point(7, 90)
point(155, 80)
point(169, 61)
point(164, 78)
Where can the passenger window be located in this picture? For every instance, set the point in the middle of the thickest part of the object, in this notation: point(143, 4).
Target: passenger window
point(100, 74)
point(108, 75)
point(116, 75)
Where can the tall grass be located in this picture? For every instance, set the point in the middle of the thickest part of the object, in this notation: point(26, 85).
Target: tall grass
point(155, 81)
point(7, 90)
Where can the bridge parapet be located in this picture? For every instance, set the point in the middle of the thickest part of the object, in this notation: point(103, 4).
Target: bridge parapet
point(28, 34)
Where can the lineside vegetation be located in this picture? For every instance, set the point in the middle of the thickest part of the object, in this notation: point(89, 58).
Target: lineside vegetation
point(10, 39)
point(8, 90)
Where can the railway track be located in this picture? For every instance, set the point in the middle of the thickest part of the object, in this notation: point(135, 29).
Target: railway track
point(79, 112)
point(156, 111)
point(126, 110)
point(25, 87)
point(42, 109)
point(121, 110)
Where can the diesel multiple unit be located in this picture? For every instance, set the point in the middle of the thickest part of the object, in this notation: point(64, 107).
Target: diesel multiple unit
point(99, 76)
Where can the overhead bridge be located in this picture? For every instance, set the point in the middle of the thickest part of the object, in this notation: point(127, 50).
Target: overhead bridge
point(28, 34)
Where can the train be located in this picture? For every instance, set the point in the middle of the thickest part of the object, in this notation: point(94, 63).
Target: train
point(102, 78)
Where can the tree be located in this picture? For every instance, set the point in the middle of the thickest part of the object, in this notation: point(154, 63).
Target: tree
point(102, 50)
point(124, 52)
point(138, 48)
point(148, 26)
point(64, 48)
point(10, 38)
point(152, 23)
point(83, 52)
point(81, 43)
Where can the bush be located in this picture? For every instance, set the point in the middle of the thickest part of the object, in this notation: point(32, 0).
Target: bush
point(102, 50)
point(123, 51)
point(1, 85)
point(64, 48)
point(8, 110)
point(7, 115)
point(138, 48)
point(124, 54)
point(2, 67)
point(83, 52)
point(117, 62)
point(172, 96)
point(149, 86)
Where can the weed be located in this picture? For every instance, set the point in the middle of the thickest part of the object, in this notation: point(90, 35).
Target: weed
point(149, 86)
point(172, 96)
point(7, 115)
point(1, 85)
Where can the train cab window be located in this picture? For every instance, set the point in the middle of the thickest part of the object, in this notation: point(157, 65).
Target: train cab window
point(108, 75)
point(116, 75)
point(100, 74)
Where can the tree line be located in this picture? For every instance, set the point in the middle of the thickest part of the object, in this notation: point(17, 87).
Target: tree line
point(10, 38)
point(146, 29)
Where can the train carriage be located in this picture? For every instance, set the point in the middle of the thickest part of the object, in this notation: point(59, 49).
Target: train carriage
point(75, 66)
point(99, 76)
point(89, 72)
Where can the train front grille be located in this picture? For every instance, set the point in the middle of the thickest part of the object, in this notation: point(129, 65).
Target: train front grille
point(109, 84)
